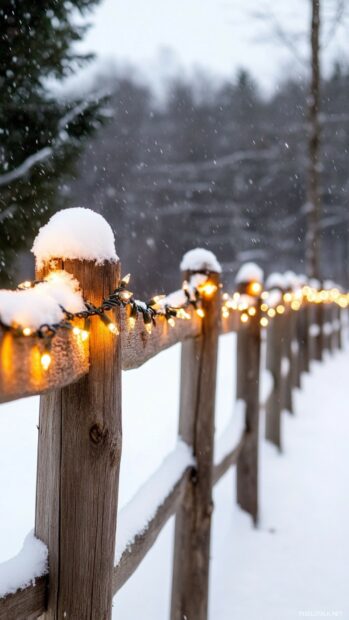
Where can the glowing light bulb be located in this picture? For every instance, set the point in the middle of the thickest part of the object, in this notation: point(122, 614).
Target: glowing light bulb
point(295, 305)
point(280, 309)
point(264, 321)
point(84, 334)
point(76, 331)
point(132, 322)
point(271, 313)
point(125, 295)
point(287, 297)
point(207, 289)
point(252, 311)
point(25, 285)
point(113, 328)
point(264, 307)
point(126, 279)
point(45, 360)
point(149, 327)
point(200, 313)
point(171, 322)
point(244, 317)
point(254, 288)
point(27, 331)
point(225, 312)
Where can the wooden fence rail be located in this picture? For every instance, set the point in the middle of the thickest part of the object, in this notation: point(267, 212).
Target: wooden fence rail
point(80, 440)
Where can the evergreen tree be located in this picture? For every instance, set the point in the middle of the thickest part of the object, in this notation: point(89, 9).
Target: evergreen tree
point(40, 133)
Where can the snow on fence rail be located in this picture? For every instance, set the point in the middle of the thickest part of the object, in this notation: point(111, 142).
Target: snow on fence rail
point(74, 358)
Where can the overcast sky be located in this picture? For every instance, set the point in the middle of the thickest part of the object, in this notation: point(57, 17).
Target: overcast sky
point(218, 35)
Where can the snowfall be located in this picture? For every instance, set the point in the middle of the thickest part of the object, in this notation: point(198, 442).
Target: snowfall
point(295, 564)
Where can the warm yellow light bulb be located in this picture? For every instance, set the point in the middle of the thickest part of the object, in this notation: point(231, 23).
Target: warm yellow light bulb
point(244, 317)
point(27, 331)
point(149, 327)
point(132, 322)
point(264, 321)
point(207, 289)
point(45, 360)
point(271, 313)
point(225, 312)
point(200, 313)
point(280, 309)
point(126, 278)
point(287, 297)
point(264, 307)
point(171, 322)
point(295, 305)
point(254, 288)
point(76, 330)
point(84, 334)
point(113, 328)
point(26, 284)
point(252, 311)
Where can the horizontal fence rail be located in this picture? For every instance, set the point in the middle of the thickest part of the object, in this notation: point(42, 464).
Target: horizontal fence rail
point(80, 432)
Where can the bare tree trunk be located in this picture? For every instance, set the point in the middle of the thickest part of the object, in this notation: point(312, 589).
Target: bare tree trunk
point(313, 188)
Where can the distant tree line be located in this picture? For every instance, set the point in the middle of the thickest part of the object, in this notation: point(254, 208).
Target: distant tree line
point(222, 168)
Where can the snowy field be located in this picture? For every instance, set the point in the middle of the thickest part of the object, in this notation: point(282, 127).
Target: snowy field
point(296, 564)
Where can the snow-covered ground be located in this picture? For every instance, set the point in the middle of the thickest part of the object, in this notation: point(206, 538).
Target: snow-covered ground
point(296, 564)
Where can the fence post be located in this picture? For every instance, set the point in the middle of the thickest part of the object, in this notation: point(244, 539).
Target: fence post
point(273, 364)
point(303, 337)
point(319, 335)
point(79, 454)
point(196, 427)
point(248, 372)
point(286, 361)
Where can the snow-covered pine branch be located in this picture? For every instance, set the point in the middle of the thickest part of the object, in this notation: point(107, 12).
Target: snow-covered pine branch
point(46, 152)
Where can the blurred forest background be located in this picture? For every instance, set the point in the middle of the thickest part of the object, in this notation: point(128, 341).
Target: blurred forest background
point(218, 165)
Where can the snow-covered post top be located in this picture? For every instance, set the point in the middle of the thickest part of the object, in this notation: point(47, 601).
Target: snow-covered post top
point(249, 280)
point(84, 454)
point(79, 234)
point(200, 260)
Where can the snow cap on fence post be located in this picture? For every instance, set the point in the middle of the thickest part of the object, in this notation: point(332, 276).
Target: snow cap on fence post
point(77, 233)
point(249, 279)
point(200, 259)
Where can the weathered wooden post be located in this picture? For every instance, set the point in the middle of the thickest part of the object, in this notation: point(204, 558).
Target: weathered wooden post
point(316, 327)
point(286, 376)
point(79, 445)
point(304, 337)
point(249, 281)
point(196, 427)
point(273, 408)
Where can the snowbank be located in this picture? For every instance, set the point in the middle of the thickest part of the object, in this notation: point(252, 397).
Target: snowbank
point(22, 570)
point(42, 304)
point(231, 435)
point(135, 516)
point(200, 259)
point(249, 272)
point(75, 233)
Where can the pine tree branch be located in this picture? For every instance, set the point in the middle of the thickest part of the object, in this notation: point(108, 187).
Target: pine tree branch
point(46, 152)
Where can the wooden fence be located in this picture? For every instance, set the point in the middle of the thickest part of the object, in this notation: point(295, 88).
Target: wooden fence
point(80, 437)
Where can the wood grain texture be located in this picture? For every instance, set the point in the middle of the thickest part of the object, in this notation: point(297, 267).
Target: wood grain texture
point(196, 427)
point(273, 408)
point(26, 604)
point(79, 454)
point(21, 373)
point(133, 555)
point(228, 461)
point(248, 374)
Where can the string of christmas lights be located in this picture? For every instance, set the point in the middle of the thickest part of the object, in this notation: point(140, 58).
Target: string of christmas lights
point(120, 297)
point(248, 300)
